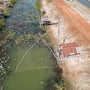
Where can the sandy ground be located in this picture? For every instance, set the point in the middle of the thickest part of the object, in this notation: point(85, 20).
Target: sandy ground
point(2, 7)
point(75, 18)
point(75, 29)
point(80, 8)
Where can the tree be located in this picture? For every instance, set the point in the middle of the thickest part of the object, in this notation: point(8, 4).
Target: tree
point(2, 23)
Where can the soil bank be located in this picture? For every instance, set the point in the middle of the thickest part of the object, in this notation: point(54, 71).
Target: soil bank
point(73, 28)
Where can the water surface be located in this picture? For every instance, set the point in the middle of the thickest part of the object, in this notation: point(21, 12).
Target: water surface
point(37, 66)
point(85, 2)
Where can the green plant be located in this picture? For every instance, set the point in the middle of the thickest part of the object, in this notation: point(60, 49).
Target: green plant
point(42, 28)
point(62, 83)
point(38, 6)
point(2, 23)
point(6, 12)
point(49, 1)
point(60, 86)
point(12, 2)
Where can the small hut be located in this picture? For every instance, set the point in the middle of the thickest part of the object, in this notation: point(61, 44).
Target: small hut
point(69, 49)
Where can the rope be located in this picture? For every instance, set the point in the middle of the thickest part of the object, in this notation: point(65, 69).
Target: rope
point(51, 50)
point(39, 68)
point(24, 56)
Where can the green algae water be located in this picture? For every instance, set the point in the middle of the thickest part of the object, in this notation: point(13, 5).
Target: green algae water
point(31, 68)
point(36, 67)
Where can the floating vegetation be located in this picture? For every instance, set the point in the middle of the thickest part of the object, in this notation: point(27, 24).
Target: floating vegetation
point(7, 12)
point(2, 23)
point(15, 34)
point(42, 28)
point(22, 34)
point(12, 2)
point(7, 40)
point(23, 39)
point(18, 25)
point(41, 82)
point(38, 5)
point(41, 59)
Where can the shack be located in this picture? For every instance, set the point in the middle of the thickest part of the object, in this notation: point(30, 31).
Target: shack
point(69, 49)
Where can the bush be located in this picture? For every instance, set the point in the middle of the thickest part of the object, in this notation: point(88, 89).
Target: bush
point(13, 2)
point(6, 12)
point(38, 6)
point(2, 23)
point(49, 1)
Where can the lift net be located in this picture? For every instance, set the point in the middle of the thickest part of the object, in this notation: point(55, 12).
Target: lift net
point(34, 58)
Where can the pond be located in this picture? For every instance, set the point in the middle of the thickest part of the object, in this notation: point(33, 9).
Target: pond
point(36, 67)
point(85, 2)
point(31, 62)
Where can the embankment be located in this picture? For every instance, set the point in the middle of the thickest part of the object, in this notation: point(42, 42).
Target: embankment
point(75, 68)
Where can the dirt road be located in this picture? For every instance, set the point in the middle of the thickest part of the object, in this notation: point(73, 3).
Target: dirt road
point(79, 22)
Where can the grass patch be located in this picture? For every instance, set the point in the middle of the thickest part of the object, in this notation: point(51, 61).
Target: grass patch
point(6, 12)
point(38, 6)
point(12, 2)
point(2, 23)
point(49, 1)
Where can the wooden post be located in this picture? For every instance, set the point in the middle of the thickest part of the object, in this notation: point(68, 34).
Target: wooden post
point(57, 46)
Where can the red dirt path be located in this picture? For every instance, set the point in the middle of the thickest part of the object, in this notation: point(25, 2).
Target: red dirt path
point(79, 22)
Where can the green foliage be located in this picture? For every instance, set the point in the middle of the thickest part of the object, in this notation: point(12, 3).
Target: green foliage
point(2, 23)
point(12, 2)
point(62, 83)
point(47, 37)
point(10, 35)
point(43, 28)
point(6, 12)
point(38, 6)
point(49, 1)
point(23, 39)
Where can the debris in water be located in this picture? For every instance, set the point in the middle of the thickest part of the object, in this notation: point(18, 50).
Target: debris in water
point(41, 82)
point(41, 59)
point(19, 25)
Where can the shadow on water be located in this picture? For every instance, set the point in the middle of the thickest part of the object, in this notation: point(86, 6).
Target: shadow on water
point(54, 79)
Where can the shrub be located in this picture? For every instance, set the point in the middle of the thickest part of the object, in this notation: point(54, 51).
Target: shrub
point(49, 1)
point(13, 2)
point(2, 23)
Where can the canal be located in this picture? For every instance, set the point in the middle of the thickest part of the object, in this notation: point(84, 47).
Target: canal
point(85, 2)
point(31, 63)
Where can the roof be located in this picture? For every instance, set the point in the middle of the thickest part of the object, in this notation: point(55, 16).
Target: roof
point(69, 48)
point(69, 45)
